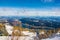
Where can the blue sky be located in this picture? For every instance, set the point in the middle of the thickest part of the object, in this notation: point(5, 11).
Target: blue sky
point(30, 3)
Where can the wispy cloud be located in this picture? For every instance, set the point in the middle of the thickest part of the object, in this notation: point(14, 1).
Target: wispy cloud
point(47, 0)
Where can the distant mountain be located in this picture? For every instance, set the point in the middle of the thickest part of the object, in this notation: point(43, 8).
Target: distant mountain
point(49, 21)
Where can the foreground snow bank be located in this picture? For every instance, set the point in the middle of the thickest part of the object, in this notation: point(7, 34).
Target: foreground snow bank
point(55, 38)
point(20, 38)
point(26, 38)
point(3, 38)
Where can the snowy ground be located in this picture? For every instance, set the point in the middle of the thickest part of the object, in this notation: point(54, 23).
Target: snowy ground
point(55, 38)
point(26, 38)
point(20, 38)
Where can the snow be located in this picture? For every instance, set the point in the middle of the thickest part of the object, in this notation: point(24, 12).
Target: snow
point(9, 28)
point(20, 38)
point(41, 32)
point(31, 34)
point(55, 38)
point(26, 38)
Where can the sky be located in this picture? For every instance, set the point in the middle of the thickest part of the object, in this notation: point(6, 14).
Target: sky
point(30, 3)
point(29, 7)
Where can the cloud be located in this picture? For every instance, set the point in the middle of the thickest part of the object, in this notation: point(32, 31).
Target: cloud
point(29, 12)
point(47, 0)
